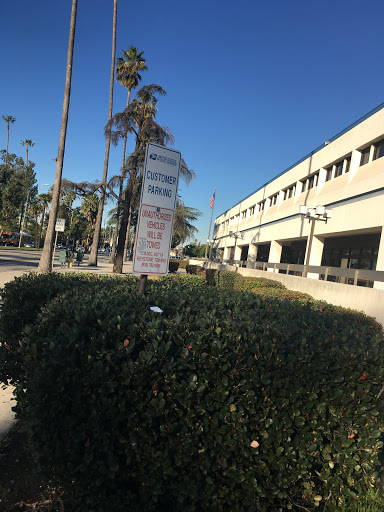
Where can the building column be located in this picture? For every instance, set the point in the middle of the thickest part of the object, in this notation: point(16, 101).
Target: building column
point(274, 253)
point(227, 251)
point(237, 252)
point(252, 253)
point(316, 255)
point(380, 261)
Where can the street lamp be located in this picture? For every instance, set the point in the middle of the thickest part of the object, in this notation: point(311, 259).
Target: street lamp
point(313, 214)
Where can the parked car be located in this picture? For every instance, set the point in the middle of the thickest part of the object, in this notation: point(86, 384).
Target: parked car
point(29, 244)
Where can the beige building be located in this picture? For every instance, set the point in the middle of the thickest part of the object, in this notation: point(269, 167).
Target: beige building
point(346, 175)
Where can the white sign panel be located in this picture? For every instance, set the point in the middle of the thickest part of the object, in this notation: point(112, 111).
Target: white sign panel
point(161, 176)
point(157, 210)
point(153, 240)
point(60, 225)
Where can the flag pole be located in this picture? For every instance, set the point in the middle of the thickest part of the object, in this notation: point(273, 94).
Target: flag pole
point(210, 223)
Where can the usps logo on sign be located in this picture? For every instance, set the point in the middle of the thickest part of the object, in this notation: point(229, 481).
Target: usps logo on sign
point(152, 156)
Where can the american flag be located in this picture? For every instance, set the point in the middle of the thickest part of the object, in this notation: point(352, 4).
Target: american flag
point(211, 202)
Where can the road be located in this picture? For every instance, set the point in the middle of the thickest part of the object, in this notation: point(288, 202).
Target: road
point(13, 260)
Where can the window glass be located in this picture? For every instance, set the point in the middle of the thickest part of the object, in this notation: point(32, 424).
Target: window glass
point(379, 150)
point(329, 173)
point(339, 169)
point(347, 164)
point(354, 258)
point(365, 156)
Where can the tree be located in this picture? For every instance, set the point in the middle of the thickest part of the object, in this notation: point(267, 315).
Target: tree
point(9, 120)
point(27, 143)
point(127, 73)
point(182, 227)
point(138, 118)
point(44, 200)
point(24, 209)
point(45, 263)
point(35, 209)
point(89, 208)
point(16, 183)
point(96, 237)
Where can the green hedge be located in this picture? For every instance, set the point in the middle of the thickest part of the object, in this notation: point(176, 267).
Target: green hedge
point(173, 266)
point(23, 299)
point(183, 263)
point(229, 280)
point(225, 401)
point(194, 269)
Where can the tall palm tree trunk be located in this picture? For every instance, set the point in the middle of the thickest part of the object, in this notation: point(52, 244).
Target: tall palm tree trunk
point(118, 211)
point(45, 264)
point(6, 152)
point(41, 225)
point(118, 265)
point(127, 235)
point(96, 237)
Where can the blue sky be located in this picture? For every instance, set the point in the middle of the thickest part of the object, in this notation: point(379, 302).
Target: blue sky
point(251, 86)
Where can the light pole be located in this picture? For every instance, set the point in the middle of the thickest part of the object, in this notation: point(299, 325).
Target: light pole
point(313, 214)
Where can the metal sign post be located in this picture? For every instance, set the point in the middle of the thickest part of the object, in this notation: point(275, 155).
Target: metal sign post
point(156, 212)
point(60, 226)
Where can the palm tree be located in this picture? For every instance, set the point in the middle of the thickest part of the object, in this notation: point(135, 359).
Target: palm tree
point(44, 200)
point(27, 143)
point(139, 117)
point(127, 73)
point(89, 208)
point(35, 209)
point(95, 245)
point(182, 225)
point(45, 263)
point(9, 120)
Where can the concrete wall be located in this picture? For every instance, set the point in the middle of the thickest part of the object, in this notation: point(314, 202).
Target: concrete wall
point(368, 300)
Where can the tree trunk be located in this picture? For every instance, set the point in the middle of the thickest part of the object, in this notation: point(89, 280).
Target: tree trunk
point(116, 231)
point(127, 236)
point(45, 264)
point(96, 237)
point(42, 224)
point(118, 265)
point(6, 153)
point(36, 230)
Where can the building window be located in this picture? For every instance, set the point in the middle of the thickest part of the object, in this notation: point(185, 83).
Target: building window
point(261, 205)
point(310, 182)
point(252, 210)
point(243, 214)
point(273, 199)
point(329, 173)
point(347, 164)
point(289, 192)
point(365, 156)
point(339, 169)
point(379, 150)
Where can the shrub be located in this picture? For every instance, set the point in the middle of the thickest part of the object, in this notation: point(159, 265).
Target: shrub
point(211, 276)
point(173, 266)
point(183, 263)
point(23, 298)
point(225, 401)
point(193, 269)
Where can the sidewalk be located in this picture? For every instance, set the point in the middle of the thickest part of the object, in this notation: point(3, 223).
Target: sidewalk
point(7, 417)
